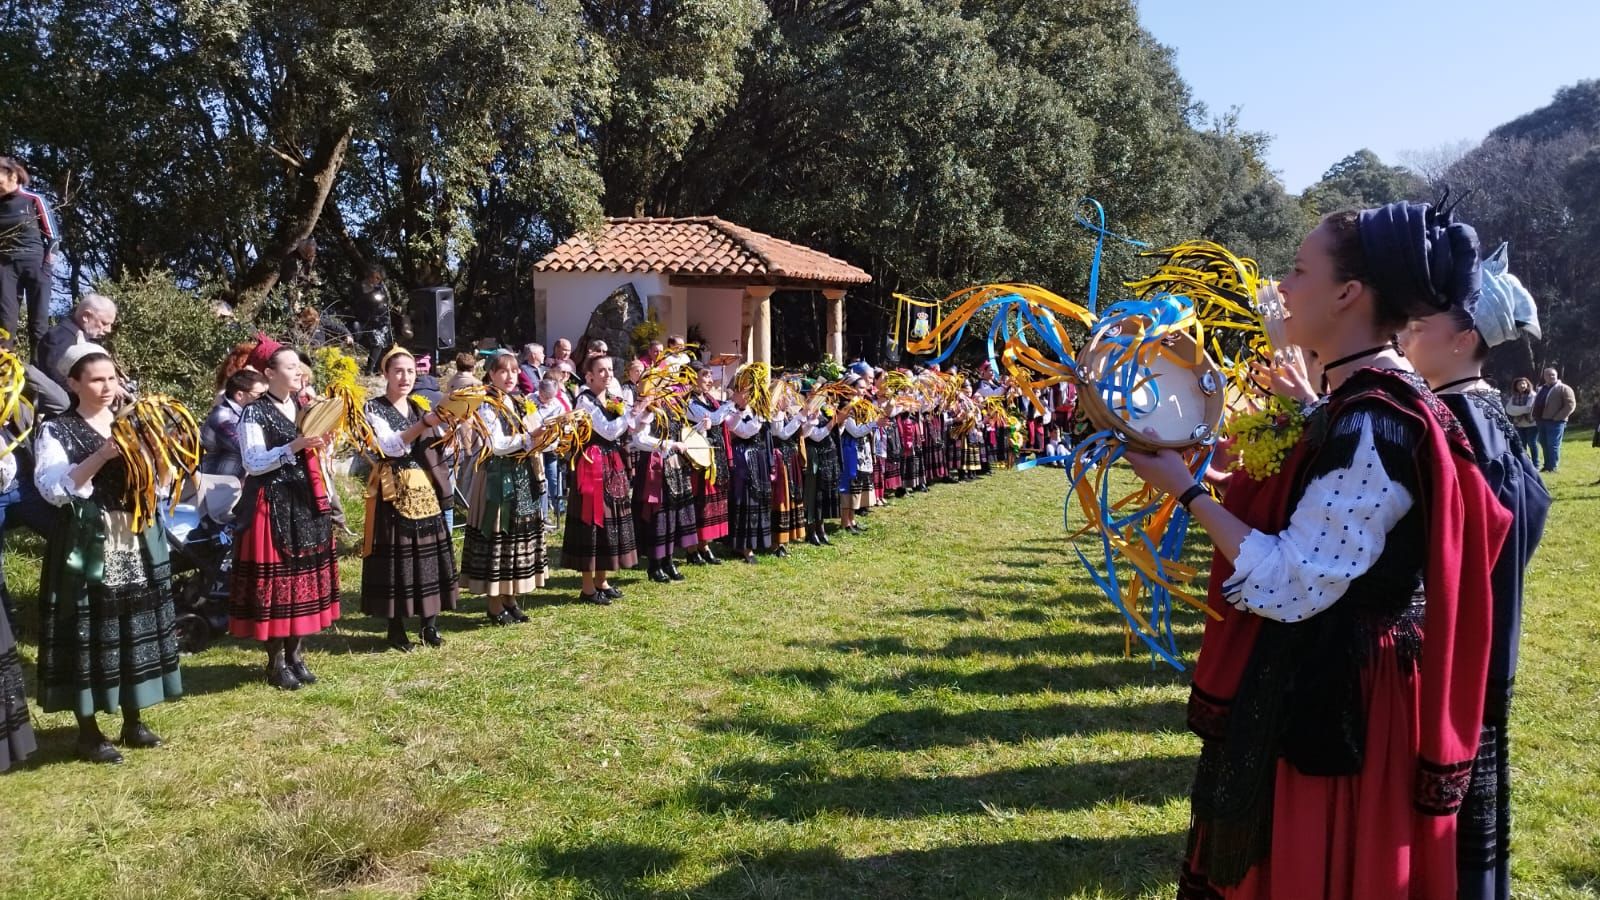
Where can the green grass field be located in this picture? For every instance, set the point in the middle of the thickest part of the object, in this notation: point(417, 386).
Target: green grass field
point(939, 709)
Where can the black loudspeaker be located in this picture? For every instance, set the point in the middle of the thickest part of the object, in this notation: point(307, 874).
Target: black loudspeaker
point(433, 318)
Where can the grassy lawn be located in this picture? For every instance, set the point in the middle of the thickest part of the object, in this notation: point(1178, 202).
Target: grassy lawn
point(941, 708)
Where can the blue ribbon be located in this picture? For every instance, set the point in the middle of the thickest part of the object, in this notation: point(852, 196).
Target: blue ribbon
point(1098, 226)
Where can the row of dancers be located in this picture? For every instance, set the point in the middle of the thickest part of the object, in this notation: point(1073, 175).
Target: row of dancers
point(695, 476)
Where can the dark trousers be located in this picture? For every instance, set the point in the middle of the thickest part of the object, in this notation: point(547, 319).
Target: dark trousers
point(25, 278)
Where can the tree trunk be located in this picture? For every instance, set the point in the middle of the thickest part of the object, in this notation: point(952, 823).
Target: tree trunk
point(299, 220)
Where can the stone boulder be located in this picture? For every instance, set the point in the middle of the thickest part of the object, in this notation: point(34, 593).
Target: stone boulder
point(613, 321)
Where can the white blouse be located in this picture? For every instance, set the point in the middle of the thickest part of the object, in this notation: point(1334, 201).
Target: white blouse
point(257, 457)
point(607, 428)
point(500, 443)
point(52, 470)
point(1336, 533)
point(784, 428)
point(747, 424)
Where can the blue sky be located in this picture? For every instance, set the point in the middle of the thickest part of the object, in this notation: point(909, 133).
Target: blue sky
point(1327, 79)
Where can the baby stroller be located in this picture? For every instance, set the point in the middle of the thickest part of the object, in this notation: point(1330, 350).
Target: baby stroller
point(201, 550)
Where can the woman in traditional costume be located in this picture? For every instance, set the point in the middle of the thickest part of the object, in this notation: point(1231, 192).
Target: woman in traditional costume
point(857, 449)
point(16, 731)
point(408, 565)
point(788, 474)
point(285, 577)
point(108, 638)
point(711, 487)
point(503, 554)
point(599, 537)
point(822, 473)
point(750, 514)
point(1340, 695)
point(1448, 349)
point(663, 495)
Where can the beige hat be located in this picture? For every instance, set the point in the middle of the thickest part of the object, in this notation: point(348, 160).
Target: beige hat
point(76, 352)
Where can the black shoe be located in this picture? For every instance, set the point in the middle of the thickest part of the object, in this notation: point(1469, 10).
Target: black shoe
point(140, 736)
point(781, 552)
point(430, 636)
point(516, 613)
point(281, 677)
point(711, 558)
point(813, 539)
point(499, 618)
point(658, 576)
point(302, 672)
point(598, 598)
point(672, 571)
point(99, 752)
point(612, 592)
point(822, 535)
point(695, 559)
point(750, 560)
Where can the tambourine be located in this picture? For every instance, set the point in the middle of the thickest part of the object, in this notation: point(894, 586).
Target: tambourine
point(1160, 399)
point(321, 417)
point(697, 449)
point(462, 404)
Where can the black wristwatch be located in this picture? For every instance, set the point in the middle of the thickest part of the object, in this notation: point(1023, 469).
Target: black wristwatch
point(1188, 497)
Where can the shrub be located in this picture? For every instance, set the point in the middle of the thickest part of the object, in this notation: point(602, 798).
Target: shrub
point(170, 339)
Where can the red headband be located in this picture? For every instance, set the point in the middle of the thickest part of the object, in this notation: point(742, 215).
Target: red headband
point(261, 356)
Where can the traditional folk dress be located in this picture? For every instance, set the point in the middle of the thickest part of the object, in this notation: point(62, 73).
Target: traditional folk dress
point(788, 481)
point(663, 494)
point(935, 461)
point(711, 490)
point(891, 458)
point(16, 731)
point(751, 512)
point(1340, 695)
point(409, 562)
point(108, 638)
point(600, 529)
point(974, 460)
point(911, 461)
point(503, 552)
point(1483, 846)
point(822, 471)
point(856, 448)
point(955, 448)
point(286, 577)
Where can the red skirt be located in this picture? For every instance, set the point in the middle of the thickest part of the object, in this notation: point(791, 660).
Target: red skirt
point(1350, 837)
point(275, 594)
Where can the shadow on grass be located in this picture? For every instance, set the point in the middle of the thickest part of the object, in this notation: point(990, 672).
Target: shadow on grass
point(919, 729)
point(1030, 678)
point(798, 789)
point(1115, 866)
point(606, 868)
point(951, 613)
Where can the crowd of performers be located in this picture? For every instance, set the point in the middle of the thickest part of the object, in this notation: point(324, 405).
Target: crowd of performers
point(781, 461)
point(1352, 694)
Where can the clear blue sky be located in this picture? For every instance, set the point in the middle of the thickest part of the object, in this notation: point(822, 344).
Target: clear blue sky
point(1327, 79)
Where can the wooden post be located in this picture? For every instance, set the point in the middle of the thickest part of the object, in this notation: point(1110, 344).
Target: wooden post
point(758, 323)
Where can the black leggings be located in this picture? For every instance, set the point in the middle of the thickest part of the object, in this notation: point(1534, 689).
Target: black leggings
point(30, 277)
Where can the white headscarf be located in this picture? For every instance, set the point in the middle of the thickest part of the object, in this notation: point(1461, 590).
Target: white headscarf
point(1505, 309)
point(74, 353)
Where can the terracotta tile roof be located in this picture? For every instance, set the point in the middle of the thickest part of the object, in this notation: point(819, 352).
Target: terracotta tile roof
point(701, 245)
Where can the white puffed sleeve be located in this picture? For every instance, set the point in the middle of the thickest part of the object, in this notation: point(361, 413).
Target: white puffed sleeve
point(1335, 535)
point(52, 470)
point(746, 424)
point(8, 471)
point(390, 442)
point(500, 443)
point(785, 428)
point(607, 428)
point(856, 429)
point(257, 457)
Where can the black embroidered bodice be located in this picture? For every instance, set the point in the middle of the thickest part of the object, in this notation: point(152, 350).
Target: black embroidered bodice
point(81, 441)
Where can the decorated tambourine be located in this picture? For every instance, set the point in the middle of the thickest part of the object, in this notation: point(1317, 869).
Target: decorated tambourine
point(322, 416)
point(697, 449)
point(1165, 393)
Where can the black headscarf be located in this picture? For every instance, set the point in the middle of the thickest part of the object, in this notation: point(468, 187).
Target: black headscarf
point(1419, 258)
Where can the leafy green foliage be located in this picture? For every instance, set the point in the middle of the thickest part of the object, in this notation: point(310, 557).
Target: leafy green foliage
point(1362, 180)
point(168, 339)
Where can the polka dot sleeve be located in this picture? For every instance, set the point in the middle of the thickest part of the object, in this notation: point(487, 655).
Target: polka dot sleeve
point(1335, 535)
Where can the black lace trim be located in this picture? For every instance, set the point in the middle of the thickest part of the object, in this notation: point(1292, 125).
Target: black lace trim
point(1441, 787)
point(298, 525)
point(81, 441)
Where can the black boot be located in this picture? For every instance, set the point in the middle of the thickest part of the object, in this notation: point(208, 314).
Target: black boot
point(671, 568)
point(711, 558)
point(781, 551)
point(92, 745)
point(278, 672)
point(430, 631)
point(657, 575)
point(294, 654)
point(136, 734)
point(516, 613)
point(822, 534)
point(397, 635)
point(812, 537)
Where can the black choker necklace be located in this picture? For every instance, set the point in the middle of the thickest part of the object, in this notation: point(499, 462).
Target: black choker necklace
point(1459, 381)
point(1343, 360)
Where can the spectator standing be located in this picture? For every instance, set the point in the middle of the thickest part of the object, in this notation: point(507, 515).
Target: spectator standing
point(1553, 406)
point(1519, 409)
point(27, 250)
